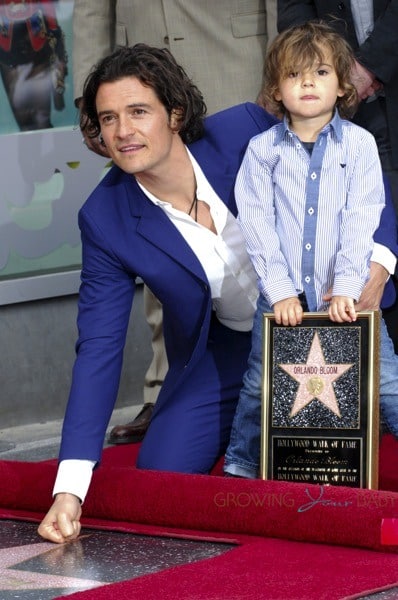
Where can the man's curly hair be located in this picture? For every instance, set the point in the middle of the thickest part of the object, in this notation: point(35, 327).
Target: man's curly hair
point(156, 68)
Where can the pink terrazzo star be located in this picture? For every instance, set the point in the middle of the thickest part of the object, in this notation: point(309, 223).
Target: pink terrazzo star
point(13, 579)
point(315, 378)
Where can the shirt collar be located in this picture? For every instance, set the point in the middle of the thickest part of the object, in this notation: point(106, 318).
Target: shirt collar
point(334, 126)
point(199, 176)
point(204, 191)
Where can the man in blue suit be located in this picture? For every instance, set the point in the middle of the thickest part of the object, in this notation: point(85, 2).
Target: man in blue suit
point(164, 213)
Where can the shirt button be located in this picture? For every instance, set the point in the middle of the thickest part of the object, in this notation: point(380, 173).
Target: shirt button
point(310, 211)
point(307, 279)
point(308, 246)
point(313, 176)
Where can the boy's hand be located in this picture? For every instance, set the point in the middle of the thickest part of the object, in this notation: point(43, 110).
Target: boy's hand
point(288, 311)
point(342, 309)
point(372, 292)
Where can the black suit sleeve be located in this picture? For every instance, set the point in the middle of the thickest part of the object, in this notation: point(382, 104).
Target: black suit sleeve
point(379, 53)
point(294, 13)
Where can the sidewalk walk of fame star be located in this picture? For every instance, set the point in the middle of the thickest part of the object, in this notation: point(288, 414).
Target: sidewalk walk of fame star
point(12, 578)
point(315, 378)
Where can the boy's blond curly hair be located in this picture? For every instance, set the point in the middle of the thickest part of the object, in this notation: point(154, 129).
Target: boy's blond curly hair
point(299, 48)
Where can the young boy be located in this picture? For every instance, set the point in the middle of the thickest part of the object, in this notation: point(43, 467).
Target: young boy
point(309, 193)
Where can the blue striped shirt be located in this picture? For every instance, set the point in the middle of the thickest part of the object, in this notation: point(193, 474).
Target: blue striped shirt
point(308, 220)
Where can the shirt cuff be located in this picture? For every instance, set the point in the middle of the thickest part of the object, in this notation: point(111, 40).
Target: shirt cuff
point(74, 477)
point(383, 255)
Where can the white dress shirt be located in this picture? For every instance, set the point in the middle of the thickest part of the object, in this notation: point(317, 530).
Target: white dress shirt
point(362, 13)
point(231, 276)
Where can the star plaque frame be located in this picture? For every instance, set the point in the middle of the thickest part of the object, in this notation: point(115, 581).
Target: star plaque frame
point(320, 401)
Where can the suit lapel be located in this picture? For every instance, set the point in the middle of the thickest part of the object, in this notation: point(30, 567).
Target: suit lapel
point(217, 172)
point(154, 225)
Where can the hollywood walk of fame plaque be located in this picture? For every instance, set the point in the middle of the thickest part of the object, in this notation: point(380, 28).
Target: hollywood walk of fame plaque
point(320, 405)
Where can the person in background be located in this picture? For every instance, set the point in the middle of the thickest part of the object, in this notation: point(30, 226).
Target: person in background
point(370, 27)
point(222, 45)
point(310, 193)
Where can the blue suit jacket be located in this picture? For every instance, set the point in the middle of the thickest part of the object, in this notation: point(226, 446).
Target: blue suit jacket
point(125, 235)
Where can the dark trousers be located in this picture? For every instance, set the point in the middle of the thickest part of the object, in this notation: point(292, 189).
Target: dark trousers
point(190, 430)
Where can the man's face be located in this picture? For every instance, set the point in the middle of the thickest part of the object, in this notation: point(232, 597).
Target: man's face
point(135, 126)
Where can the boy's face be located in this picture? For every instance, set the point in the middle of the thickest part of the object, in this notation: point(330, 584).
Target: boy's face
point(311, 93)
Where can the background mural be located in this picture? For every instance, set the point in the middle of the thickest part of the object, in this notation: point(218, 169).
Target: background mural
point(35, 65)
point(46, 172)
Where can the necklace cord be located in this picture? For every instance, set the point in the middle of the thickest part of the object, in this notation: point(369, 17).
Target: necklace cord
point(194, 204)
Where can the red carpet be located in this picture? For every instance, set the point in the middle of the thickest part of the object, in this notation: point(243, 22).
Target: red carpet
point(295, 541)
